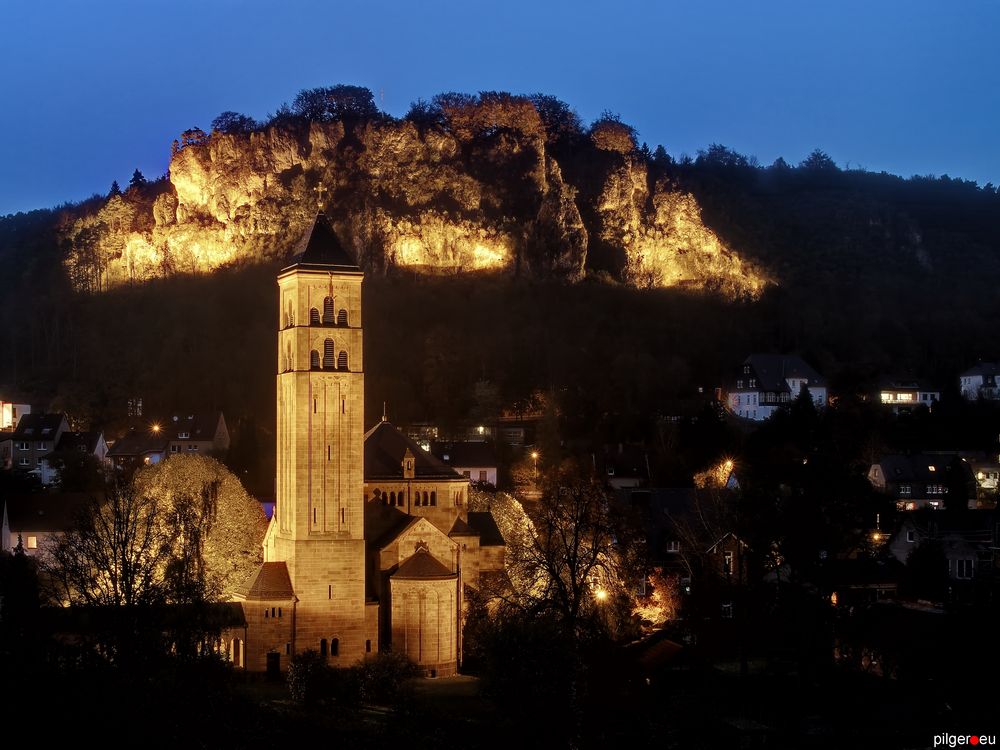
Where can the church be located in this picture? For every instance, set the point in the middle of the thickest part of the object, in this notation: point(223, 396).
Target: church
point(371, 545)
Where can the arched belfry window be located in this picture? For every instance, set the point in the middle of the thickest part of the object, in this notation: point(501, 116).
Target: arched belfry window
point(434, 497)
point(328, 310)
point(392, 498)
point(334, 647)
point(314, 360)
point(399, 500)
point(328, 354)
point(342, 318)
point(342, 361)
point(313, 317)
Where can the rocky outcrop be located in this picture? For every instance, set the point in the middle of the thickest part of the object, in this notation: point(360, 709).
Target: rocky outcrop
point(435, 199)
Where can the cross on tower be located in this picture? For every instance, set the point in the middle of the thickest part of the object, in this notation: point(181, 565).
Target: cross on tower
point(320, 189)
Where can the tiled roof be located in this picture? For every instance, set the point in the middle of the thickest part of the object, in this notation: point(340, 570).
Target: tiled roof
point(74, 440)
point(486, 525)
point(38, 426)
point(269, 581)
point(773, 371)
point(422, 565)
point(983, 368)
point(138, 444)
point(461, 528)
point(384, 450)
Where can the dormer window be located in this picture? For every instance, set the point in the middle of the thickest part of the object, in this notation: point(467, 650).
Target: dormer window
point(46, 430)
point(183, 435)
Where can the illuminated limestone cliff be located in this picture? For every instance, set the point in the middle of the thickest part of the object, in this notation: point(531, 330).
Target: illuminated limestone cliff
point(483, 193)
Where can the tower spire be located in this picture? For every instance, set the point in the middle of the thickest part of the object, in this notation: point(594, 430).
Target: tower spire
point(320, 190)
point(384, 417)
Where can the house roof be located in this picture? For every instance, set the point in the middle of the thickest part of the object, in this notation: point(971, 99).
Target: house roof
point(51, 512)
point(983, 368)
point(384, 450)
point(906, 384)
point(486, 525)
point(917, 467)
point(86, 441)
point(269, 581)
point(320, 249)
point(461, 528)
point(137, 443)
point(773, 370)
point(197, 426)
point(422, 565)
point(39, 426)
point(624, 461)
point(468, 454)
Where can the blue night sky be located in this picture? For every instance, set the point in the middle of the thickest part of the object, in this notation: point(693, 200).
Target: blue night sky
point(92, 90)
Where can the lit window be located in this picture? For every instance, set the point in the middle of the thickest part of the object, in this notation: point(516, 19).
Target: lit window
point(33, 542)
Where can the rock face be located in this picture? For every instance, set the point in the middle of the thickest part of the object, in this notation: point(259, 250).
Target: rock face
point(430, 198)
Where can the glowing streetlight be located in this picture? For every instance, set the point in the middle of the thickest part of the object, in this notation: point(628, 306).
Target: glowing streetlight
point(601, 595)
point(534, 458)
point(156, 429)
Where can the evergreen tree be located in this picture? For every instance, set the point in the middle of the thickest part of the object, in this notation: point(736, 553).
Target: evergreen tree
point(138, 180)
point(115, 190)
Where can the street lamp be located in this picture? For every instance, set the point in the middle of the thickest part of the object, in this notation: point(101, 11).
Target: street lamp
point(534, 458)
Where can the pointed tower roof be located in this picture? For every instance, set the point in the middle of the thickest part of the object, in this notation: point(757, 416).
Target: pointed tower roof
point(320, 249)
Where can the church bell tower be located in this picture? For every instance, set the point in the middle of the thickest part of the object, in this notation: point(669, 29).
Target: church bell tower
point(318, 526)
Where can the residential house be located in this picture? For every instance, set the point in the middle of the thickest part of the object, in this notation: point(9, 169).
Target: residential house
point(923, 480)
point(92, 443)
point(623, 466)
point(968, 539)
point(903, 396)
point(475, 460)
point(138, 448)
point(35, 521)
point(34, 439)
point(196, 433)
point(192, 434)
point(980, 382)
point(768, 382)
